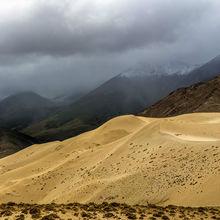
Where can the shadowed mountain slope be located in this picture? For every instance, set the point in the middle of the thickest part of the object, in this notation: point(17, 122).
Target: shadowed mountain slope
point(22, 109)
point(13, 141)
point(205, 72)
point(127, 93)
point(201, 97)
point(116, 97)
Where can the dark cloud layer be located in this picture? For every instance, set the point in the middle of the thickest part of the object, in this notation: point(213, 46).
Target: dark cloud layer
point(54, 30)
point(54, 46)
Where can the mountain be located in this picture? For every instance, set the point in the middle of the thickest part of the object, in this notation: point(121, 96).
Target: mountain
point(129, 159)
point(116, 97)
point(201, 97)
point(13, 141)
point(22, 109)
point(128, 93)
point(149, 69)
point(69, 98)
point(204, 72)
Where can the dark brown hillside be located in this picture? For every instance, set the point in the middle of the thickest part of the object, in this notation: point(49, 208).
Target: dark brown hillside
point(201, 97)
point(13, 141)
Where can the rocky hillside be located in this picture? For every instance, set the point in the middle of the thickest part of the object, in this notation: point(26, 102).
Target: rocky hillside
point(201, 97)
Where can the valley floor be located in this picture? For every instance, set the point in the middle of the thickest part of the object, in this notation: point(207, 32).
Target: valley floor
point(11, 211)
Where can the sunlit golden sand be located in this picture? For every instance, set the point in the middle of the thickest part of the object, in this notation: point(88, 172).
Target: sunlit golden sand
point(129, 159)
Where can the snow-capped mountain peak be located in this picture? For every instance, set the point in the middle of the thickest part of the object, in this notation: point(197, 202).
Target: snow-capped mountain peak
point(143, 69)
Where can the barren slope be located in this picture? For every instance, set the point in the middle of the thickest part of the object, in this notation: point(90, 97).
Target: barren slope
point(13, 141)
point(129, 159)
point(201, 97)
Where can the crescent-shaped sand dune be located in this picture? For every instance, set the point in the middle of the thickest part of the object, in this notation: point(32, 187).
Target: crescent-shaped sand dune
point(129, 159)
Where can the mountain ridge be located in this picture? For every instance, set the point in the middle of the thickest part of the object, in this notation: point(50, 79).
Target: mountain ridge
point(119, 95)
point(19, 110)
point(201, 97)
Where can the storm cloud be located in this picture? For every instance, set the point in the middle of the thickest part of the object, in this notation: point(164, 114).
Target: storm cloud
point(55, 46)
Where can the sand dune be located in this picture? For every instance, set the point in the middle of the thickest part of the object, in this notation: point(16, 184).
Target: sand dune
point(192, 138)
point(129, 159)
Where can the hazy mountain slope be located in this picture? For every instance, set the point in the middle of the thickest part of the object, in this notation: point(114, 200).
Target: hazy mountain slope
point(128, 93)
point(69, 98)
point(129, 159)
point(163, 68)
point(13, 141)
point(22, 109)
point(205, 72)
point(116, 97)
point(201, 97)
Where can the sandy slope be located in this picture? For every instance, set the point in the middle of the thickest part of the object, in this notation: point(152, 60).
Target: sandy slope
point(129, 159)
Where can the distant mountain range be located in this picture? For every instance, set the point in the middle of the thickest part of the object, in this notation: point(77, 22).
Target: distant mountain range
point(116, 97)
point(201, 97)
point(129, 92)
point(22, 109)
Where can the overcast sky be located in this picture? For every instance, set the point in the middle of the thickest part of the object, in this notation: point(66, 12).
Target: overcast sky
point(55, 46)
